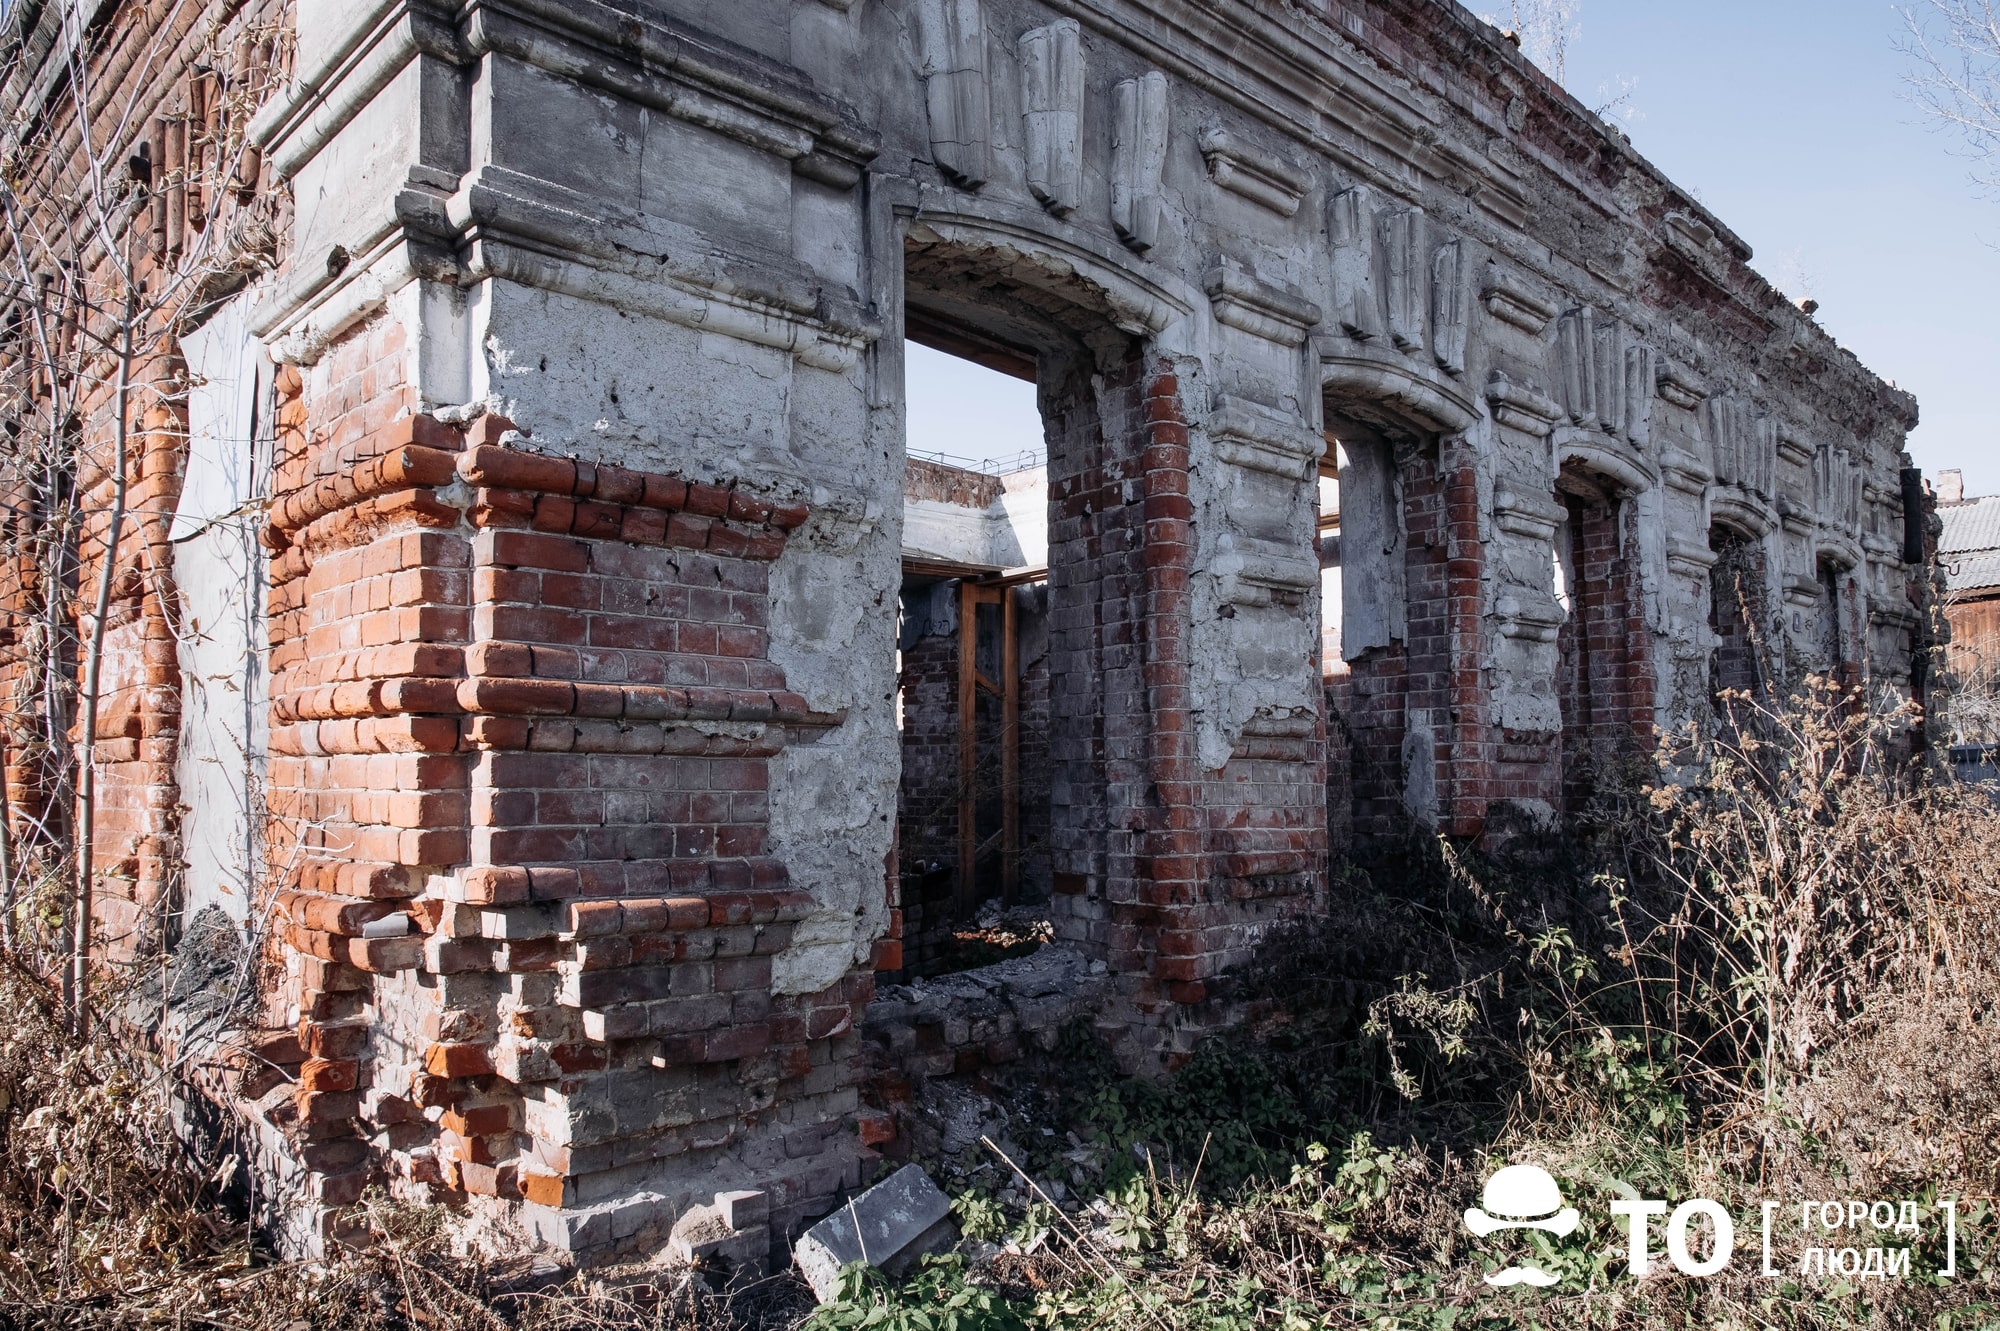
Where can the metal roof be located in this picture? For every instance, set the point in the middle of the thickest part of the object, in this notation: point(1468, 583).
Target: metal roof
point(1969, 549)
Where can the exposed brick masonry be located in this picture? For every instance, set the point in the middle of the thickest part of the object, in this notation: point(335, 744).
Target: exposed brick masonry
point(534, 732)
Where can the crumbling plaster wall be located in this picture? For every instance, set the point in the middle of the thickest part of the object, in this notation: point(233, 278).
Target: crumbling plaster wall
point(667, 243)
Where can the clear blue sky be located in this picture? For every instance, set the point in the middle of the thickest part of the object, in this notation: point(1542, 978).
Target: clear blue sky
point(1789, 119)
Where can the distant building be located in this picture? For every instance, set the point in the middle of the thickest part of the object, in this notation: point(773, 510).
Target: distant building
point(1969, 553)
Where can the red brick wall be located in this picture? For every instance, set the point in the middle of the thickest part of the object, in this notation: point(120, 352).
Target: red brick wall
point(1163, 870)
point(1604, 679)
point(538, 728)
point(927, 807)
point(1434, 671)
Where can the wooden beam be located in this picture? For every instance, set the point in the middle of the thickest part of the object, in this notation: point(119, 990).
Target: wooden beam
point(944, 568)
point(955, 339)
point(1010, 752)
point(968, 736)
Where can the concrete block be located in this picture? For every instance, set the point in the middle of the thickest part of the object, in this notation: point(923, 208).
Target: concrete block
point(741, 1210)
point(703, 1234)
point(889, 1226)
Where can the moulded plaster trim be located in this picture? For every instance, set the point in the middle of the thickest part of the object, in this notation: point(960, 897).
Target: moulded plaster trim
point(1530, 619)
point(1527, 515)
point(1678, 386)
point(1837, 550)
point(1739, 509)
point(1139, 305)
point(1892, 614)
point(759, 102)
point(1258, 177)
point(1693, 557)
point(1511, 303)
point(1251, 570)
point(1395, 118)
point(1489, 181)
point(1696, 241)
point(1609, 459)
point(1802, 591)
point(1683, 471)
point(1793, 449)
point(1520, 407)
point(1284, 725)
point(1245, 302)
point(1427, 398)
point(1052, 88)
point(735, 314)
point(320, 101)
point(541, 244)
point(299, 327)
point(1249, 434)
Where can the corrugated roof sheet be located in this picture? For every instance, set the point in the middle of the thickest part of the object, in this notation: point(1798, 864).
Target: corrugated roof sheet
point(1972, 525)
point(1964, 573)
point(1970, 546)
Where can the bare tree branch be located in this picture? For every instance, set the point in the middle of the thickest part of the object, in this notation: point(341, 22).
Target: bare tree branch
point(1955, 45)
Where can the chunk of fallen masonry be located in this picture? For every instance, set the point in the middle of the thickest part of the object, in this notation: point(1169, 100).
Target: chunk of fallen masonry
point(735, 1229)
point(899, 1220)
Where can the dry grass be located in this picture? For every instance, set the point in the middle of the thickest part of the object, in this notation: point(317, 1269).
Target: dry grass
point(1772, 978)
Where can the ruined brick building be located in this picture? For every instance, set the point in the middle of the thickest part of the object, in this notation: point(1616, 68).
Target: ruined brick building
point(530, 551)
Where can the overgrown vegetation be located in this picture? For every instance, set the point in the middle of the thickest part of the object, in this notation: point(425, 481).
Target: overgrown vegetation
point(1771, 979)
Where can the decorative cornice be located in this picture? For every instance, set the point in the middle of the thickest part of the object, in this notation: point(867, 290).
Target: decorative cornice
point(1695, 240)
point(667, 68)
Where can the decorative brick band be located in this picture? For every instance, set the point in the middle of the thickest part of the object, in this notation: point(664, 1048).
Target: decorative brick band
point(522, 712)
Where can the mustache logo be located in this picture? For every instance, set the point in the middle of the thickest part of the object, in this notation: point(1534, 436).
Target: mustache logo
point(1522, 1197)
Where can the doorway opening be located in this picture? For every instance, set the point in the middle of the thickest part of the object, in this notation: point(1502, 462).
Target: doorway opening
point(1736, 616)
point(972, 856)
point(1600, 671)
point(1336, 677)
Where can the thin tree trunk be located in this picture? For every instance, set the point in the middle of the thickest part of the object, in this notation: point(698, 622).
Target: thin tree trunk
point(93, 667)
point(7, 884)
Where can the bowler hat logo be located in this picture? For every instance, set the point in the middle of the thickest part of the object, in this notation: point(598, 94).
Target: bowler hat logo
point(1521, 1197)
